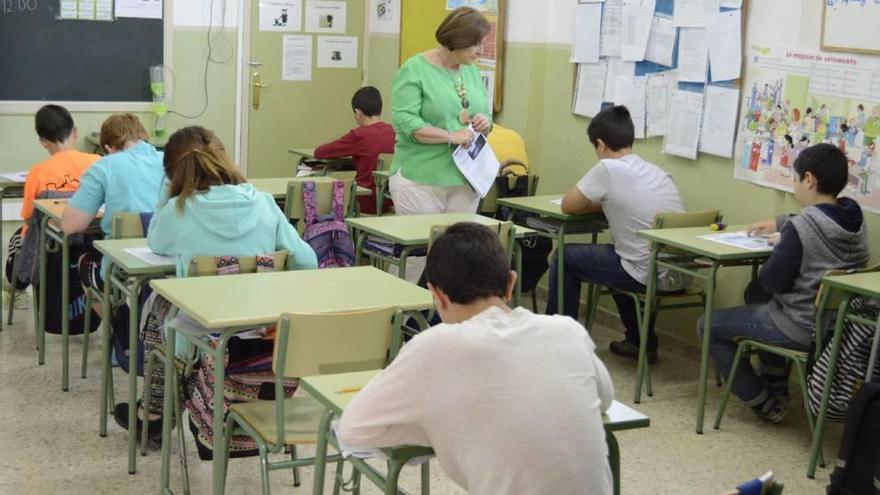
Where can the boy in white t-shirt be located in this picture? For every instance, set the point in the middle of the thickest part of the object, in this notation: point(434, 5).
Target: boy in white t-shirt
point(631, 192)
point(510, 401)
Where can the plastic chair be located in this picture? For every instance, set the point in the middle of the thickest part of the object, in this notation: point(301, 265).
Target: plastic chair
point(690, 296)
point(294, 208)
point(308, 345)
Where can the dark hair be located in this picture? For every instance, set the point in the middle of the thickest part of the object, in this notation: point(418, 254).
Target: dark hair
point(614, 127)
point(827, 164)
point(53, 123)
point(464, 27)
point(195, 160)
point(467, 262)
point(368, 100)
point(789, 139)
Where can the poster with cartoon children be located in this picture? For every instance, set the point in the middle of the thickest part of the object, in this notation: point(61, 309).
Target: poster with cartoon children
point(792, 100)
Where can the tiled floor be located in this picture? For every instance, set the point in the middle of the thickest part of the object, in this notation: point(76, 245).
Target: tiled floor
point(49, 441)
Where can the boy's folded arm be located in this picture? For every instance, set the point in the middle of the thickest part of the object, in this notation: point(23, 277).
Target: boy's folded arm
point(778, 274)
point(347, 145)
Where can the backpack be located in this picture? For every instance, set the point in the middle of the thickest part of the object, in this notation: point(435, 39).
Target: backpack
point(328, 235)
point(852, 363)
point(534, 249)
point(857, 470)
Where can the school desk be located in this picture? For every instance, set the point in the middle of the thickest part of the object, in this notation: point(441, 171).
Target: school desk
point(230, 304)
point(712, 256)
point(50, 228)
point(329, 165)
point(555, 225)
point(333, 392)
point(9, 188)
point(125, 275)
point(857, 284)
point(277, 186)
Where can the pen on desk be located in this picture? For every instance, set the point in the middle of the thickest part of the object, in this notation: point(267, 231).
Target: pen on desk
point(348, 390)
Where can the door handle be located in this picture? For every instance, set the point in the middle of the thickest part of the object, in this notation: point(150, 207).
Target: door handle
point(254, 63)
point(257, 87)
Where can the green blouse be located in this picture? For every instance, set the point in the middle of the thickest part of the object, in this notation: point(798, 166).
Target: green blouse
point(423, 95)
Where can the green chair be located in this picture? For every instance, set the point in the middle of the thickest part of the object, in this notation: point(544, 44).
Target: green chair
point(307, 345)
point(381, 181)
point(690, 297)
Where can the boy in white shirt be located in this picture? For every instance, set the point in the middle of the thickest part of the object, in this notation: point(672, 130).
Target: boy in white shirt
point(631, 192)
point(510, 401)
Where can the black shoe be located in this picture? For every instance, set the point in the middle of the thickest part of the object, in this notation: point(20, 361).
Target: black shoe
point(154, 427)
point(626, 349)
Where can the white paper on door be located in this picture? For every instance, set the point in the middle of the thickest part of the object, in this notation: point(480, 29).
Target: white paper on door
point(281, 15)
point(337, 52)
point(325, 16)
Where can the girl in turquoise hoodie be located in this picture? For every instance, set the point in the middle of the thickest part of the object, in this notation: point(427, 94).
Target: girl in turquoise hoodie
point(212, 211)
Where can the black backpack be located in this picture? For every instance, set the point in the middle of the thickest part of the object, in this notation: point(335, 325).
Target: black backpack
point(857, 470)
point(534, 250)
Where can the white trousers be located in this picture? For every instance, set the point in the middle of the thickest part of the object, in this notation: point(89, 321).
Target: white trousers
point(412, 198)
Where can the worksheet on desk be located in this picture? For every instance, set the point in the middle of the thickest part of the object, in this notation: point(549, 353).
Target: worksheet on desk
point(740, 239)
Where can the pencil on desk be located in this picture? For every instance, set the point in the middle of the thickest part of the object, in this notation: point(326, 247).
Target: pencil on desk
point(348, 390)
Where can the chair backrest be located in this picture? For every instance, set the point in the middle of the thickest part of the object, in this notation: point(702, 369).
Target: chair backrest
point(294, 207)
point(489, 204)
point(506, 232)
point(686, 219)
point(325, 343)
point(207, 266)
point(385, 160)
point(343, 175)
point(128, 226)
point(829, 299)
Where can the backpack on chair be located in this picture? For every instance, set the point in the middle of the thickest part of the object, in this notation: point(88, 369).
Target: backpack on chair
point(328, 235)
point(857, 470)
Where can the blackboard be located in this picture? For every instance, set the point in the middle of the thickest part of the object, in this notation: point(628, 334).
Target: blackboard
point(43, 58)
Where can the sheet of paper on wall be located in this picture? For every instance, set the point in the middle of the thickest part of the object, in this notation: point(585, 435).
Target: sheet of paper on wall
point(326, 16)
point(661, 41)
point(693, 55)
point(616, 67)
point(694, 13)
point(586, 33)
point(658, 91)
point(731, 4)
point(719, 121)
point(337, 52)
point(143, 9)
point(384, 16)
point(488, 77)
point(281, 15)
point(86, 11)
point(296, 55)
point(724, 37)
point(776, 23)
point(478, 163)
point(637, 17)
point(629, 91)
point(611, 28)
point(683, 127)
point(103, 10)
point(589, 88)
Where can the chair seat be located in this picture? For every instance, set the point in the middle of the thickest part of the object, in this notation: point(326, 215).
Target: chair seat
point(301, 418)
point(689, 291)
point(793, 353)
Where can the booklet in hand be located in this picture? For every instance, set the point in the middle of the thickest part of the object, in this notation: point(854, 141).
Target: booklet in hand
point(477, 163)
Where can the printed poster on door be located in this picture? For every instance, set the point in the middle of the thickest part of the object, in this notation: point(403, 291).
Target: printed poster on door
point(281, 15)
point(794, 98)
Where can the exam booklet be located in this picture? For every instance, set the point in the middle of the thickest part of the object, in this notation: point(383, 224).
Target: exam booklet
point(477, 164)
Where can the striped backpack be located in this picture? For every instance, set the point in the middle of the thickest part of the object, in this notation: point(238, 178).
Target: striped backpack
point(328, 235)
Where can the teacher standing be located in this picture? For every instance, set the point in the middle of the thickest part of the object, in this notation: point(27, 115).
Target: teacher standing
point(435, 96)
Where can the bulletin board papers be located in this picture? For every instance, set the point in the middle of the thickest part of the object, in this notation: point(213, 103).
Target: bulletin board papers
point(296, 58)
point(589, 88)
point(725, 45)
point(694, 13)
point(86, 10)
point(325, 16)
point(637, 19)
point(586, 33)
point(337, 52)
point(719, 121)
point(693, 55)
point(850, 25)
point(629, 91)
point(143, 9)
point(659, 88)
point(661, 41)
point(281, 15)
point(683, 125)
point(616, 67)
point(611, 28)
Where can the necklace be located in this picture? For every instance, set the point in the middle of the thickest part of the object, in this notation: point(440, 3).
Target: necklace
point(458, 83)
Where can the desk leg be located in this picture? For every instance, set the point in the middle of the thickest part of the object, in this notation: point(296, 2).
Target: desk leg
point(704, 347)
point(426, 478)
point(517, 260)
point(401, 267)
point(642, 370)
point(321, 453)
point(380, 195)
point(41, 324)
point(394, 468)
point(106, 355)
point(132, 373)
point(219, 440)
point(167, 407)
point(65, 319)
point(613, 460)
point(590, 288)
point(560, 270)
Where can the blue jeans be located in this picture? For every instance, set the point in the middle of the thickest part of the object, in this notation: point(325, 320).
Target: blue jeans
point(599, 264)
point(753, 322)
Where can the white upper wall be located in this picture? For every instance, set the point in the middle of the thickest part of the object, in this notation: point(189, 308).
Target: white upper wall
point(197, 13)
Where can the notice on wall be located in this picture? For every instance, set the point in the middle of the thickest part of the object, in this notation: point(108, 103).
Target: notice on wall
point(337, 52)
point(296, 58)
point(281, 15)
point(86, 10)
point(384, 16)
point(325, 16)
point(142, 9)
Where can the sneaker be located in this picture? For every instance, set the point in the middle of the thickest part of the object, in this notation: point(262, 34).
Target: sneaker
point(154, 426)
point(625, 348)
point(772, 410)
point(22, 300)
point(779, 389)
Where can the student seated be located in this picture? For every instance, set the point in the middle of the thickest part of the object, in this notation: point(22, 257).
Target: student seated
point(61, 172)
point(212, 210)
point(630, 192)
point(510, 401)
point(364, 143)
point(828, 234)
point(127, 180)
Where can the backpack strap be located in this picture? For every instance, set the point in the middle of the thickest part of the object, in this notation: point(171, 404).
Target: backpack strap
point(311, 209)
point(338, 199)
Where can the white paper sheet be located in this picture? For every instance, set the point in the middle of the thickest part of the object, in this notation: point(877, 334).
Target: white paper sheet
point(589, 88)
point(616, 67)
point(661, 41)
point(694, 13)
point(586, 32)
point(385, 16)
point(337, 52)
point(775, 24)
point(659, 88)
point(611, 28)
point(477, 164)
point(637, 17)
point(629, 91)
point(693, 55)
point(104, 10)
point(86, 10)
point(296, 58)
point(68, 9)
point(732, 4)
point(557, 202)
point(741, 240)
point(724, 37)
point(326, 16)
point(719, 121)
point(683, 126)
point(144, 9)
point(147, 255)
point(281, 15)
point(15, 176)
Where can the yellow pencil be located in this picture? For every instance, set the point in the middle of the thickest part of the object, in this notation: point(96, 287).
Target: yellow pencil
point(348, 390)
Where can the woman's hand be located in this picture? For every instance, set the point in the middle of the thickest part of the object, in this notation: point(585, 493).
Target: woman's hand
point(766, 227)
point(481, 123)
point(462, 137)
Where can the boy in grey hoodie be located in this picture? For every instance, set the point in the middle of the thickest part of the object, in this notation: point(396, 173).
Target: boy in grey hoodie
point(829, 234)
